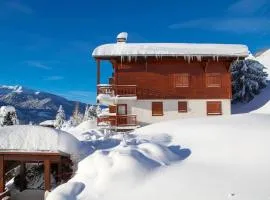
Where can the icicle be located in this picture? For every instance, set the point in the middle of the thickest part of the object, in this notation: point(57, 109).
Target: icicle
point(199, 58)
point(188, 59)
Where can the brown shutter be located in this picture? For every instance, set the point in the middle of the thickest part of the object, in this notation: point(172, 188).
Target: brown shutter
point(213, 80)
point(157, 108)
point(181, 80)
point(112, 109)
point(214, 108)
point(182, 106)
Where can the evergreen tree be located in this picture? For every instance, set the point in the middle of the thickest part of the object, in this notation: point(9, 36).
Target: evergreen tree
point(60, 118)
point(8, 116)
point(77, 117)
point(98, 110)
point(248, 78)
point(86, 113)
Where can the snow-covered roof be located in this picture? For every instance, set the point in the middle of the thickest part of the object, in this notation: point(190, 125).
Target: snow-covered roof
point(170, 49)
point(47, 123)
point(25, 138)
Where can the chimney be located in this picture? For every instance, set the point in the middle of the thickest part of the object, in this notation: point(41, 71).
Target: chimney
point(122, 37)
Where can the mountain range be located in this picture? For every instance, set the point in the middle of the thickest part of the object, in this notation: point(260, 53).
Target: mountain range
point(35, 106)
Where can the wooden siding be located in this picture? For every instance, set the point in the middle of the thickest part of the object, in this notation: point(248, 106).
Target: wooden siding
point(155, 79)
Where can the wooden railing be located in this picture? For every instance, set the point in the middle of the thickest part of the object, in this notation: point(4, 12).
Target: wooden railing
point(125, 90)
point(5, 194)
point(105, 89)
point(126, 120)
point(120, 90)
point(119, 120)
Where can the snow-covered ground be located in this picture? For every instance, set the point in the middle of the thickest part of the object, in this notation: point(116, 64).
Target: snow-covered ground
point(259, 101)
point(264, 59)
point(202, 158)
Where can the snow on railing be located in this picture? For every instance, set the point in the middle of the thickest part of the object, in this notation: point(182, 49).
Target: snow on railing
point(117, 90)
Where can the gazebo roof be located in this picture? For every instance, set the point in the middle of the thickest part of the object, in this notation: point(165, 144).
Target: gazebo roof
point(25, 138)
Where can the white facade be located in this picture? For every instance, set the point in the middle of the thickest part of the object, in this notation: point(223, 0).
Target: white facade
point(196, 108)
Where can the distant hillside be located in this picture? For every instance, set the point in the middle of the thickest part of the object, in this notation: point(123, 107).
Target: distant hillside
point(35, 106)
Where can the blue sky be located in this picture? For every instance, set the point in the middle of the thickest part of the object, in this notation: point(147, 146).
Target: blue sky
point(46, 44)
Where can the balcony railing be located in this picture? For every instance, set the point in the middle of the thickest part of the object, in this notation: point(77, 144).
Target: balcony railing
point(120, 90)
point(118, 120)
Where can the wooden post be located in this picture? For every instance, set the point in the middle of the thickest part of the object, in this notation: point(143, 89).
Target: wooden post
point(98, 72)
point(2, 174)
point(59, 172)
point(47, 174)
point(22, 177)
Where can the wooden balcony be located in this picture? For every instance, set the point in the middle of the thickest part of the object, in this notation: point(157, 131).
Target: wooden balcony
point(118, 120)
point(118, 90)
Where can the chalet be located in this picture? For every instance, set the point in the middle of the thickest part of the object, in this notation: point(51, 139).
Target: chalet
point(153, 82)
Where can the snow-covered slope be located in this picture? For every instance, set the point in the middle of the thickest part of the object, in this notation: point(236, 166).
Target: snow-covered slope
point(32, 105)
point(204, 158)
point(264, 58)
point(256, 103)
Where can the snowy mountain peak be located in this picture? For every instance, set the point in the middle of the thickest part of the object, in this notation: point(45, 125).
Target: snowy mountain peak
point(16, 88)
point(33, 105)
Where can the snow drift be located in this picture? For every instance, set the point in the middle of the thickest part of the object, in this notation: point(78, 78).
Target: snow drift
point(221, 158)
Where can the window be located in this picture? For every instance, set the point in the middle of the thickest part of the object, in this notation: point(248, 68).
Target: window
point(181, 80)
point(182, 107)
point(122, 109)
point(157, 108)
point(214, 108)
point(112, 109)
point(213, 80)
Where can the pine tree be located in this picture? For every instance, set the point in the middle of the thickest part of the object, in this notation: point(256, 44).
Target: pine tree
point(60, 118)
point(77, 117)
point(8, 116)
point(86, 113)
point(248, 78)
point(98, 110)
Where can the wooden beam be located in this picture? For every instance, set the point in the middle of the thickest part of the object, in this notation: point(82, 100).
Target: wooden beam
point(47, 175)
point(59, 172)
point(2, 174)
point(22, 176)
point(33, 157)
point(98, 72)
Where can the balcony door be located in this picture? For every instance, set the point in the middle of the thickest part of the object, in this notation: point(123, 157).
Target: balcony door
point(122, 109)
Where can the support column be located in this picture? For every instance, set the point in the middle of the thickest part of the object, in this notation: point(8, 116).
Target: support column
point(2, 174)
point(59, 172)
point(22, 177)
point(47, 175)
point(98, 71)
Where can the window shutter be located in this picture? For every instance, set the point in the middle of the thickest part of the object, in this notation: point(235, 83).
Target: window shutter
point(157, 108)
point(214, 108)
point(181, 80)
point(112, 109)
point(182, 107)
point(213, 80)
